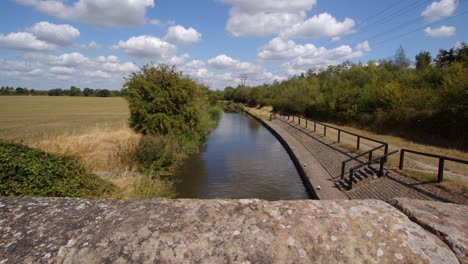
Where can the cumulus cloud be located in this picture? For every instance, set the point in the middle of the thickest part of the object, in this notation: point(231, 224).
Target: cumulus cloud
point(97, 12)
point(195, 64)
point(308, 56)
point(42, 36)
point(24, 41)
point(147, 47)
point(179, 34)
point(222, 62)
point(440, 9)
point(57, 34)
point(441, 32)
point(224, 71)
point(69, 59)
point(364, 46)
point(283, 17)
point(318, 26)
point(61, 70)
point(20, 66)
point(261, 24)
point(278, 49)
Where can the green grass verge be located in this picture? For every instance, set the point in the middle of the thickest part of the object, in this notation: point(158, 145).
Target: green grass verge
point(26, 171)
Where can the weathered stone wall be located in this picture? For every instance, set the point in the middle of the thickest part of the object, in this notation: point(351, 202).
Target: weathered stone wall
point(58, 230)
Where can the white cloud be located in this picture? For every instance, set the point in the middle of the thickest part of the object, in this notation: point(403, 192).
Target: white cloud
point(147, 47)
point(225, 71)
point(97, 74)
point(155, 22)
point(93, 45)
point(179, 34)
point(267, 17)
point(318, 26)
point(57, 34)
point(195, 64)
point(20, 66)
point(222, 62)
point(69, 59)
point(308, 56)
point(279, 49)
point(24, 41)
point(97, 12)
point(61, 70)
point(261, 24)
point(288, 18)
point(364, 46)
point(440, 9)
point(272, 5)
point(441, 32)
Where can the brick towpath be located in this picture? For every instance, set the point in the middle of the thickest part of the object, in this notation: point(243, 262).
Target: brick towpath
point(322, 159)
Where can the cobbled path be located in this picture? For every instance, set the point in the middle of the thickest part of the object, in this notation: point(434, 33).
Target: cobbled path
point(392, 185)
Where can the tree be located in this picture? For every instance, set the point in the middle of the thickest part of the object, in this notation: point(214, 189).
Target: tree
point(164, 102)
point(74, 91)
point(423, 60)
point(400, 60)
point(55, 92)
point(445, 58)
point(87, 91)
point(103, 93)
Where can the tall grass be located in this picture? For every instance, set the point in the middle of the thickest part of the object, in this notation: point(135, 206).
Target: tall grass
point(94, 131)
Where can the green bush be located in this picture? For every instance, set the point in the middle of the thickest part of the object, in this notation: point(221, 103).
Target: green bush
point(26, 171)
point(153, 154)
point(164, 102)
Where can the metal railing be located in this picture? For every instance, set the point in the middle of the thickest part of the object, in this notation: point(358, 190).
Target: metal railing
point(381, 161)
point(325, 126)
point(370, 152)
point(442, 159)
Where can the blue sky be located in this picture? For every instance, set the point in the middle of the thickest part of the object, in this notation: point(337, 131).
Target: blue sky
point(47, 44)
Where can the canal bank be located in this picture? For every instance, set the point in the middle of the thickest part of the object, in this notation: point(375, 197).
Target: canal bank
point(318, 182)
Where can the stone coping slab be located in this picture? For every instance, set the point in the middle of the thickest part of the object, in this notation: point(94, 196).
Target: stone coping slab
point(447, 221)
point(61, 230)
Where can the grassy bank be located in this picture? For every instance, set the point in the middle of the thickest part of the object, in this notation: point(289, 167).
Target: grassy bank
point(94, 131)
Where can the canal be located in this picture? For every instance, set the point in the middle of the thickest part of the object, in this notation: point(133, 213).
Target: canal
point(240, 159)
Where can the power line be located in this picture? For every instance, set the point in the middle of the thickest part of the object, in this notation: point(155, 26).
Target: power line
point(243, 78)
point(400, 27)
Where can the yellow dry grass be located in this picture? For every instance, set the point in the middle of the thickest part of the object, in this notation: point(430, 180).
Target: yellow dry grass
point(94, 130)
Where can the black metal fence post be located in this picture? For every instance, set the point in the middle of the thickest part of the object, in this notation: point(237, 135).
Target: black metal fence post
point(440, 173)
point(402, 159)
point(324, 130)
point(339, 136)
point(382, 161)
point(315, 126)
point(370, 155)
point(299, 119)
point(306, 123)
point(351, 176)
point(386, 151)
point(358, 144)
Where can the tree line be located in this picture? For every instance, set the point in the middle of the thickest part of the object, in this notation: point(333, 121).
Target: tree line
point(425, 101)
point(72, 91)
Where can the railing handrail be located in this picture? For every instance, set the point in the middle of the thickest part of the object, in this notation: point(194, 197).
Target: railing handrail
point(363, 154)
point(442, 159)
point(343, 163)
point(373, 160)
point(435, 156)
point(381, 167)
point(339, 129)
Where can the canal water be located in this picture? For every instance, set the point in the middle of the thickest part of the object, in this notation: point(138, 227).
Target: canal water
point(240, 159)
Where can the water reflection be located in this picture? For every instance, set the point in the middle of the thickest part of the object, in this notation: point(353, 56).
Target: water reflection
point(241, 160)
